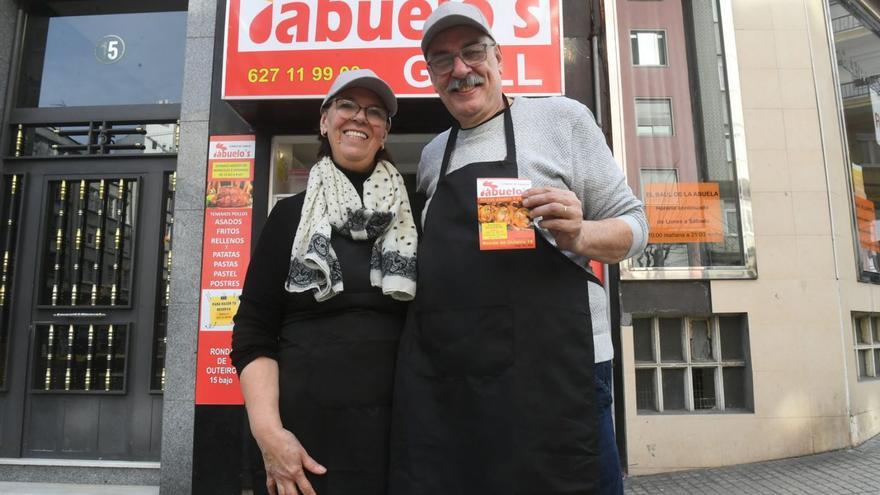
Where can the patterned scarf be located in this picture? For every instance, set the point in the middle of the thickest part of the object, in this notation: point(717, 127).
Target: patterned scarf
point(383, 216)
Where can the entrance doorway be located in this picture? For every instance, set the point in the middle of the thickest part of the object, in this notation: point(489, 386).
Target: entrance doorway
point(88, 250)
point(293, 156)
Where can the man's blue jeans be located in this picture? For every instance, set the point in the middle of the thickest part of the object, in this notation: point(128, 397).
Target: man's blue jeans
point(610, 480)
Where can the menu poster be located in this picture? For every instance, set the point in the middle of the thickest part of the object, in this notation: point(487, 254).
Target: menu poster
point(226, 251)
point(503, 221)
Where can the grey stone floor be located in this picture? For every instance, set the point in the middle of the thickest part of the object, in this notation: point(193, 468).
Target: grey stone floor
point(844, 472)
point(15, 488)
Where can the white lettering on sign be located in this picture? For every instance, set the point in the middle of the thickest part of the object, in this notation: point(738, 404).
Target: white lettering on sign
point(222, 150)
point(417, 78)
point(335, 24)
point(503, 187)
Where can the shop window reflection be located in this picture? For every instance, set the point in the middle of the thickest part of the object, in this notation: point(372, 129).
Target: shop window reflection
point(679, 141)
point(110, 59)
point(857, 47)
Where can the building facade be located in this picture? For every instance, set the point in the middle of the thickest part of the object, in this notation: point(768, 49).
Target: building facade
point(749, 329)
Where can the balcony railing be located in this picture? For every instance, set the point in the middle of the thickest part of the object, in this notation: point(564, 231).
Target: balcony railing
point(845, 23)
point(853, 90)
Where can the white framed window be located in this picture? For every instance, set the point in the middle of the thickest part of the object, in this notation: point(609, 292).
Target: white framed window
point(658, 175)
point(684, 118)
point(692, 364)
point(866, 328)
point(654, 117)
point(648, 47)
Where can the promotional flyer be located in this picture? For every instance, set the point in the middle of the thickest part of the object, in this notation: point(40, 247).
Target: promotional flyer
point(226, 252)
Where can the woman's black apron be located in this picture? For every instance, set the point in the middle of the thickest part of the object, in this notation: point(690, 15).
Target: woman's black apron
point(494, 392)
point(336, 374)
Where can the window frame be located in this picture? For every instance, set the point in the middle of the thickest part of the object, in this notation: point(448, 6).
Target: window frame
point(643, 182)
point(718, 365)
point(749, 270)
point(23, 116)
point(862, 275)
point(146, 113)
point(872, 347)
point(654, 99)
point(665, 49)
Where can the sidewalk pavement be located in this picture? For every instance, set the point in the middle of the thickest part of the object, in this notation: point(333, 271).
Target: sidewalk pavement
point(845, 472)
point(18, 488)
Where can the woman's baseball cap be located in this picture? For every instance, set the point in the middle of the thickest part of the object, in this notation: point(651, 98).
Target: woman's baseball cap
point(367, 79)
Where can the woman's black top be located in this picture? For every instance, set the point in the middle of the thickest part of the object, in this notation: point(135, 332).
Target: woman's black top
point(335, 358)
point(265, 304)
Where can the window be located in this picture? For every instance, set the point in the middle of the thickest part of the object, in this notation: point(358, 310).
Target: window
point(856, 34)
point(653, 117)
point(115, 59)
point(684, 120)
point(648, 48)
point(657, 176)
point(692, 364)
point(867, 344)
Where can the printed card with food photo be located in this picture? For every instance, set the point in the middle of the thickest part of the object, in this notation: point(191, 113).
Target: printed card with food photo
point(503, 221)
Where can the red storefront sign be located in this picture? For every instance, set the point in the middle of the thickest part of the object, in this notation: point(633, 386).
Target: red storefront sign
point(295, 49)
point(226, 249)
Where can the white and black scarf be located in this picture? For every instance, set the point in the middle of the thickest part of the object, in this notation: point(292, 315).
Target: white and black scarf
point(383, 215)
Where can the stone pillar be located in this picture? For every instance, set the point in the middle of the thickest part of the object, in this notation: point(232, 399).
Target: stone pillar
point(189, 204)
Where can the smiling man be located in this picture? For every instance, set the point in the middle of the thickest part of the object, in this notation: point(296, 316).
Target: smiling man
point(496, 390)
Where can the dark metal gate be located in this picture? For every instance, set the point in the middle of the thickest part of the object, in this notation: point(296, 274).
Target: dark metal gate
point(82, 307)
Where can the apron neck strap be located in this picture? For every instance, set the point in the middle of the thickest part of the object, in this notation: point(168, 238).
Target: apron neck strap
point(508, 138)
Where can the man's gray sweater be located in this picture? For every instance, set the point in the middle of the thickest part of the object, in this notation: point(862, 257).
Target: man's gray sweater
point(558, 144)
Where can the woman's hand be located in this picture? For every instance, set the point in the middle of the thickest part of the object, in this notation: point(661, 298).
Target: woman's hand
point(561, 214)
point(286, 460)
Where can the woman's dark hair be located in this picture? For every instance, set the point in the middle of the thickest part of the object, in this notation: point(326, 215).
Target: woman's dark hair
point(324, 148)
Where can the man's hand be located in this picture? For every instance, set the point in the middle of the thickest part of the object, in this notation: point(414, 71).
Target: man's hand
point(561, 214)
point(607, 240)
point(286, 460)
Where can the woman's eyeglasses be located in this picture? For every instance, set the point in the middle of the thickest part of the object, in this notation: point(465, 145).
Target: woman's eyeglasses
point(471, 55)
point(347, 109)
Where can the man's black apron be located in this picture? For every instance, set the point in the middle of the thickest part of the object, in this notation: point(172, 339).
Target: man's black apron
point(494, 392)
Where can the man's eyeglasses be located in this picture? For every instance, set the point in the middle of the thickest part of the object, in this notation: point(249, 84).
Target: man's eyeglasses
point(471, 55)
point(347, 109)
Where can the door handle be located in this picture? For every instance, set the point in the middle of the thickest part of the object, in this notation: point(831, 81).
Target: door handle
point(79, 315)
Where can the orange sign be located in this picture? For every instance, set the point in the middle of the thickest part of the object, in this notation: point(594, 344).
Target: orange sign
point(866, 219)
point(226, 252)
point(684, 212)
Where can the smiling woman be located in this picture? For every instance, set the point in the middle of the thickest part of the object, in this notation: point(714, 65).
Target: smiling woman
point(323, 305)
point(355, 125)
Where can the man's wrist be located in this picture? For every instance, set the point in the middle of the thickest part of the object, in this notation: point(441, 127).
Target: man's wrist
point(581, 244)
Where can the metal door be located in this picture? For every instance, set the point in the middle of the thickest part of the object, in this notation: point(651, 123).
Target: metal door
point(85, 280)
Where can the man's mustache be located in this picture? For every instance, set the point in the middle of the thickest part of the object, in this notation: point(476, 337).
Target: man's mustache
point(470, 80)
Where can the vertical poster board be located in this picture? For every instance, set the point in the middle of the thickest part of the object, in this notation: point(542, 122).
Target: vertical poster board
point(226, 248)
